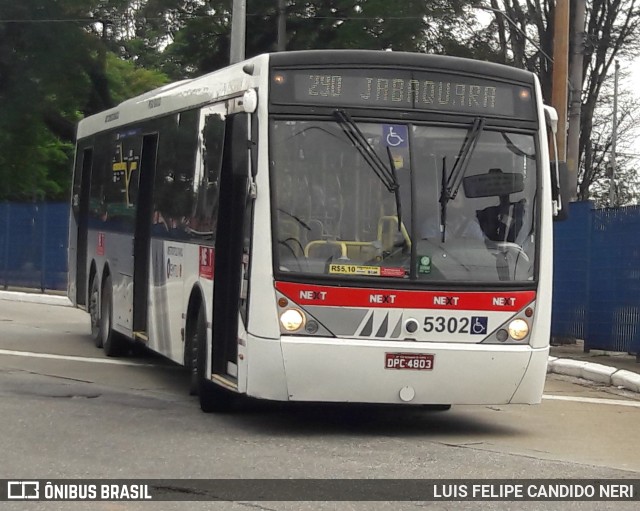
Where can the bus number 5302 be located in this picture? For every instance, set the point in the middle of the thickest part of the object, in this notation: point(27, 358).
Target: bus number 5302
point(451, 325)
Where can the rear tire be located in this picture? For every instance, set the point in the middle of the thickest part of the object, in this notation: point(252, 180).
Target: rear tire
point(191, 357)
point(94, 311)
point(114, 344)
point(213, 398)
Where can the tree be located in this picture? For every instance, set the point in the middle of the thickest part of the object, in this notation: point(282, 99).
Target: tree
point(200, 34)
point(61, 60)
point(520, 34)
point(612, 31)
point(94, 53)
point(39, 80)
point(626, 179)
point(53, 70)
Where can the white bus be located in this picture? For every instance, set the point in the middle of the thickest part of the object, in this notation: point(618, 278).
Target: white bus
point(325, 226)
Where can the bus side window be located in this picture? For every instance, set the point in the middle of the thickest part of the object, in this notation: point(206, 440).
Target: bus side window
point(208, 193)
point(214, 133)
point(174, 180)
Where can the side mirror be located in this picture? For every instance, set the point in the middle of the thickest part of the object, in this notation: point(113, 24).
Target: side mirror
point(560, 189)
point(551, 118)
point(557, 196)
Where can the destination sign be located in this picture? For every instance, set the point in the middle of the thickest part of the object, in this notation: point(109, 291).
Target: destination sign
point(401, 89)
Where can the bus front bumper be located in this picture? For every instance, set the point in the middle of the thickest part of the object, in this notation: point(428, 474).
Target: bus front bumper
point(330, 370)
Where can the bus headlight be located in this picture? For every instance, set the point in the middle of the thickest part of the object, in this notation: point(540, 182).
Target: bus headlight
point(518, 329)
point(292, 320)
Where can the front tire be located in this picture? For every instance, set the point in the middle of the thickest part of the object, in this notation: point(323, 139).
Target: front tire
point(213, 398)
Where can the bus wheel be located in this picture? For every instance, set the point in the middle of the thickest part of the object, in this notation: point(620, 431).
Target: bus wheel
point(94, 312)
point(213, 398)
point(113, 343)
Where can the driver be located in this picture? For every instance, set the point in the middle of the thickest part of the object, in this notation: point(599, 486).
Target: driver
point(459, 224)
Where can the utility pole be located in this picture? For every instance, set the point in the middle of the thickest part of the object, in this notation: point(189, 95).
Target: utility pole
point(238, 31)
point(560, 72)
point(282, 25)
point(614, 136)
point(575, 103)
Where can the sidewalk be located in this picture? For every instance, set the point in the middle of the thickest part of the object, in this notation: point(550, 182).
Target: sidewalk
point(607, 367)
point(36, 297)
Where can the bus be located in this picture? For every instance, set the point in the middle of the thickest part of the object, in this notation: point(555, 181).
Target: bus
point(339, 226)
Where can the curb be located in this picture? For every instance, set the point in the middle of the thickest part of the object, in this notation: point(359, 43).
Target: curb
point(18, 296)
point(599, 373)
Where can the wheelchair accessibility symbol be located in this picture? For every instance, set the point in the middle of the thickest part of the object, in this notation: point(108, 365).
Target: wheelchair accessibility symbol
point(478, 325)
point(395, 135)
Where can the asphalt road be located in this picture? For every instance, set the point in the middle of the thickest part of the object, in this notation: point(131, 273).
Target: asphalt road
point(67, 411)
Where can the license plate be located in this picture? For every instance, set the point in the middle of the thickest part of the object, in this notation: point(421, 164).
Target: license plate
point(411, 361)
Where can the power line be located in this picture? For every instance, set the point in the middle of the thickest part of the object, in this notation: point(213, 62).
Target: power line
point(88, 20)
point(517, 28)
point(209, 16)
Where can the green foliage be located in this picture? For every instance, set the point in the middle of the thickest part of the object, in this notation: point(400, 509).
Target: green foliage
point(126, 80)
point(34, 165)
point(61, 60)
point(202, 43)
point(53, 69)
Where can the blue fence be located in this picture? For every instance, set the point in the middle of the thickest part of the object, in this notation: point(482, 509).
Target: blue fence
point(33, 245)
point(597, 277)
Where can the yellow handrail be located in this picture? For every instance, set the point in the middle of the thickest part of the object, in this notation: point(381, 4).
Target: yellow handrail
point(403, 230)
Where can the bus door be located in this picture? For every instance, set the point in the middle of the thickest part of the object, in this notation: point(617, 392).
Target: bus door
point(80, 207)
point(142, 236)
point(232, 245)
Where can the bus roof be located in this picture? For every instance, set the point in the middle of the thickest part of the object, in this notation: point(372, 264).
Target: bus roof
point(233, 80)
point(372, 58)
point(223, 83)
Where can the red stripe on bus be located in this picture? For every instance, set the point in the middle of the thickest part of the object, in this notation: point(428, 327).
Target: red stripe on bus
point(307, 294)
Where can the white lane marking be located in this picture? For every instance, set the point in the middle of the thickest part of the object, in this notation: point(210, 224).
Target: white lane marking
point(593, 400)
point(32, 354)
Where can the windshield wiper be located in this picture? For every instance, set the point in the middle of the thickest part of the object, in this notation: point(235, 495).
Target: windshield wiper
point(295, 218)
point(451, 184)
point(515, 149)
point(386, 174)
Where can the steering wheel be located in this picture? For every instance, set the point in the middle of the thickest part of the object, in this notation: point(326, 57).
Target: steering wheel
point(506, 246)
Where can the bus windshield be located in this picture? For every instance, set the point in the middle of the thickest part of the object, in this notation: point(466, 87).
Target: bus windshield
point(336, 216)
